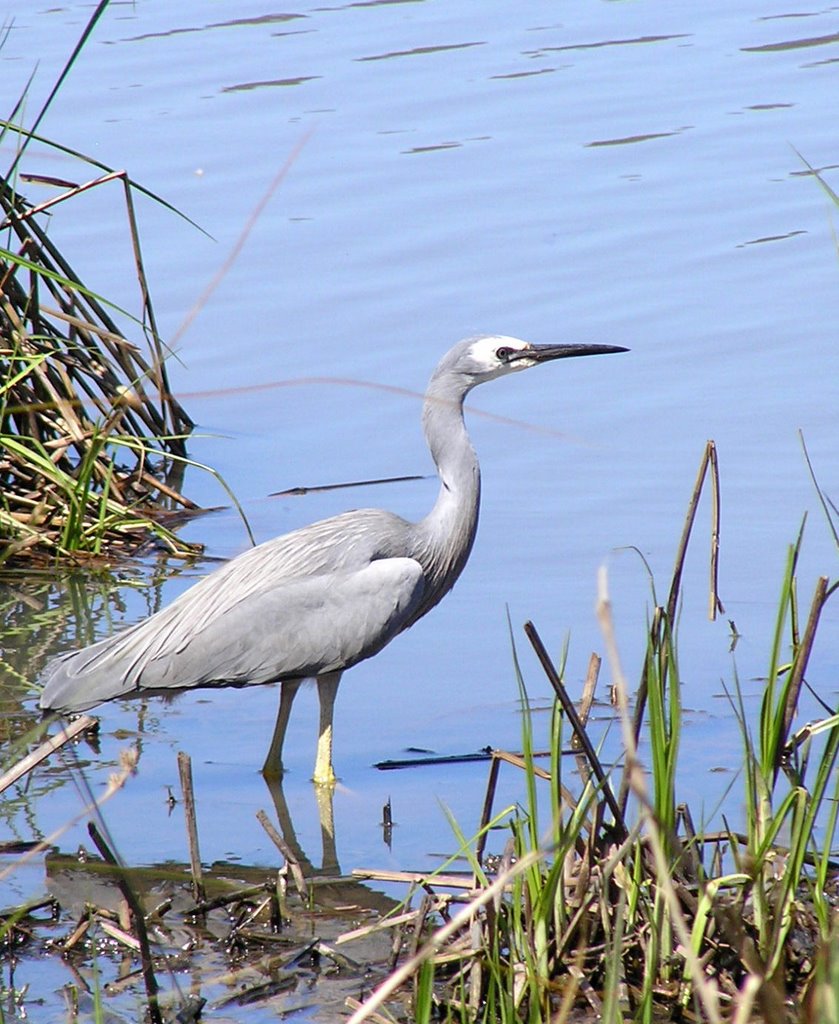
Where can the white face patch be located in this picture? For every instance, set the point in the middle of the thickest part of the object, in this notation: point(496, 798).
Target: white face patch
point(484, 353)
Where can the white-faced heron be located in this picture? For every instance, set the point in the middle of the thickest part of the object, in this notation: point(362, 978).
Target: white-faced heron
point(316, 601)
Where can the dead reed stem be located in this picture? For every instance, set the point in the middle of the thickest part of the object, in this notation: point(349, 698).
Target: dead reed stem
point(185, 773)
point(49, 746)
point(88, 424)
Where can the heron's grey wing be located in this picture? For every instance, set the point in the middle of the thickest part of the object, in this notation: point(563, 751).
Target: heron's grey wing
point(114, 666)
point(297, 628)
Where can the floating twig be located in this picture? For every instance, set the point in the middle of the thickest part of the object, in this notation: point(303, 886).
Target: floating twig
point(414, 762)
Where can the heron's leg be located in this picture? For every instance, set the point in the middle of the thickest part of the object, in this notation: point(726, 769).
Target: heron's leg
point(327, 691)
point(274, 758)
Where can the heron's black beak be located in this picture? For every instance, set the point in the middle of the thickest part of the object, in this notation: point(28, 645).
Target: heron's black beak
point(544, 353)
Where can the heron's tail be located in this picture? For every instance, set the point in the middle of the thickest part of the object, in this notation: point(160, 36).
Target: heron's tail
point(82, 679)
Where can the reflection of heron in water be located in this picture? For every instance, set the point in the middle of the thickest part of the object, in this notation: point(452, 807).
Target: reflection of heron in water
point(316, 601)
point(79, 883)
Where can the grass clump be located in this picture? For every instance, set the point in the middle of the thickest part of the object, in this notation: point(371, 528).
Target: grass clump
point(609, 902)
point(89, 431)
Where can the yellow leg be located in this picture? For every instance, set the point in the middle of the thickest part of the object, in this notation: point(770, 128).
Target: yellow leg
point(327, 691)
point(274, 759)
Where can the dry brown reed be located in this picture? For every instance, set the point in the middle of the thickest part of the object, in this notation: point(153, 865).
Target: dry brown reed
point(90, 434)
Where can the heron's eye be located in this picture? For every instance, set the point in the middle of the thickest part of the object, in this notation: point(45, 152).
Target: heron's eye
point(503, 353)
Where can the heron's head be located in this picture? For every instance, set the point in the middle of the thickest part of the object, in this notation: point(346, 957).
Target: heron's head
point(493, 355)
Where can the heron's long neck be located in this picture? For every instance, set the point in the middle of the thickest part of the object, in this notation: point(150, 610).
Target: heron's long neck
point(448, 531)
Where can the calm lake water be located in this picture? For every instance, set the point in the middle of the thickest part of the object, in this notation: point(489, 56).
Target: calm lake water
point(629, 173)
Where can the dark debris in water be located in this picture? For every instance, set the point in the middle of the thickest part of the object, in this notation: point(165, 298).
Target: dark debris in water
point(252, 941)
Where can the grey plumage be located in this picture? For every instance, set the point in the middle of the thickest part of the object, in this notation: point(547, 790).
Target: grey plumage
point(316, 601)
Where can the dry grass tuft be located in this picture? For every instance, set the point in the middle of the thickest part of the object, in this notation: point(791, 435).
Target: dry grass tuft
point(90, 434)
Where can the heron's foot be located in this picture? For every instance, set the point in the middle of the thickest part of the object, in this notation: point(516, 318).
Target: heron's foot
point(273, 768)
point(324, 775)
